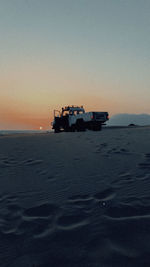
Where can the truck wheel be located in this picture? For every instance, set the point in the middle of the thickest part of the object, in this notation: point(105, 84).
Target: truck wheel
point(80, 125)
point(73, 128)
point(57, 130)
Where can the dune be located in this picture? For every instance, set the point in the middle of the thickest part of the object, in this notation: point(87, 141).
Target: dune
point(75, 199)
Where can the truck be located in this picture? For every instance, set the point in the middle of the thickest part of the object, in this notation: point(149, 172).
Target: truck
point(74, 118)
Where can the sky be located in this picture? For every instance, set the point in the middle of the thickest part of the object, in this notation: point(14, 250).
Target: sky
point(54, 53)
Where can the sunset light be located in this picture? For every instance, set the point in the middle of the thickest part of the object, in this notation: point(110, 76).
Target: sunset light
point(74, 133)
point(54, 55)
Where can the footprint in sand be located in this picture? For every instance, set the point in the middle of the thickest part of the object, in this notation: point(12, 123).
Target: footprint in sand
point(81, 201)
point(125, 210)
point(72, 221)
point(101, 147)
point(143, 176)
point(8, 161)
point(32, 162)
point(35, 228)
point(76, 159)
point(122, 151)
point(88, 203)
point(44, 210)
point(125, 175)
point(39, 220)
point(144, 165)
point(105, 195)
point(118, 151)
point(6, 198)
point(124, 178)
point(42, 172)
point(46, 174)
point(79, 198)
point(51, 177)
point(11, 215)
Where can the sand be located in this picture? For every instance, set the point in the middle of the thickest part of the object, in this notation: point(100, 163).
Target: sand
point(75, 199)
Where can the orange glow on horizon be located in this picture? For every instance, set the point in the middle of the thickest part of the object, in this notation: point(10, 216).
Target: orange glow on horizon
point(30, 110)
point(24, 120)
point(33, 117)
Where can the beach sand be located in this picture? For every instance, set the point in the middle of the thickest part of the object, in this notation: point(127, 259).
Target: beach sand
point(75, 199)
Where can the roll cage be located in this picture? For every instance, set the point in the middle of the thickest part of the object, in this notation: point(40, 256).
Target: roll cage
point(69, 110)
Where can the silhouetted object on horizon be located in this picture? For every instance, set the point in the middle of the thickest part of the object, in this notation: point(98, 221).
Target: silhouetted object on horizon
point(74, 118)
point(132, 124)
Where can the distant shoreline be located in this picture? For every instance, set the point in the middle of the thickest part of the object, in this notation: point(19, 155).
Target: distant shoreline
point(4, 133)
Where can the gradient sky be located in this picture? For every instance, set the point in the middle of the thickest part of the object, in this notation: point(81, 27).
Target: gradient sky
point(60, 52)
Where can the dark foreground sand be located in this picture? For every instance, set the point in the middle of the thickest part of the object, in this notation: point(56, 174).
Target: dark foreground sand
point(75, 199)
